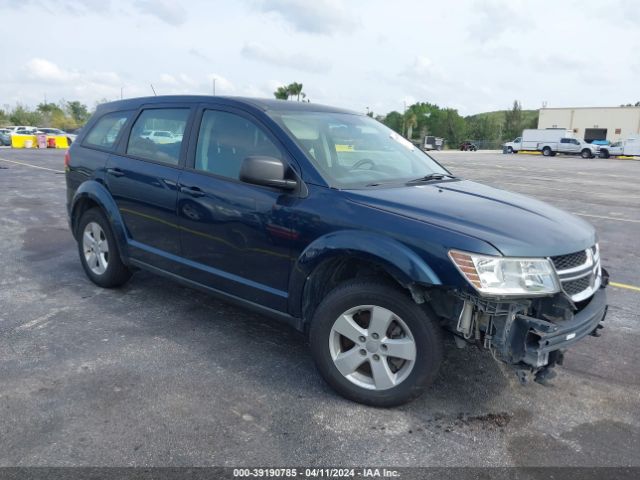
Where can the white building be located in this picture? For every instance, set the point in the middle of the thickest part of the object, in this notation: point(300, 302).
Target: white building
point(594, 123)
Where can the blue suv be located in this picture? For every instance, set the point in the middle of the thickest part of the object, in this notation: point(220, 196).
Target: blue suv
point(331, 222)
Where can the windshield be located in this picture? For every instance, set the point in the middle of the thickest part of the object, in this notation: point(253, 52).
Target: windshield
point(352, 151)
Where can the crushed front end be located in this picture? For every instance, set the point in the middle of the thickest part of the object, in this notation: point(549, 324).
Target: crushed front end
point(532, 333)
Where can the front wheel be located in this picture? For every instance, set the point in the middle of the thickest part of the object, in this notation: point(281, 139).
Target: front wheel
point(374, 345)
point(604, 153)
point(586, 153)
point(98, 251)
point(509, 150)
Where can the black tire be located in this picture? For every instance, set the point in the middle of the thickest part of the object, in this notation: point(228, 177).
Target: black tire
point(427, 337)
point(515, 151)
point(116, 273)
point(586, 153)
point(604, 153)
point(509, 150)
point(546, 151)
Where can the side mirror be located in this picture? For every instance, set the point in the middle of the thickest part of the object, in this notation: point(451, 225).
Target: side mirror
point(267, 171)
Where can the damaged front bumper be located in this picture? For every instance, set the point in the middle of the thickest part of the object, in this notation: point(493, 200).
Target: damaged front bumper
point(530, 335)
point(543, 337)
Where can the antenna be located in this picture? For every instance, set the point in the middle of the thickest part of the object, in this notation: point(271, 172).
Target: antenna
point(154, 90)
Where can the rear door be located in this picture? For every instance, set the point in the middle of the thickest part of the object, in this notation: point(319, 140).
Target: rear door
point(235, 236)
point(143, 179)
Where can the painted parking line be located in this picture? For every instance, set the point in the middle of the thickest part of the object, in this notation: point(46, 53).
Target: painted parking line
point(631, 220)
point(624, 285)
point(33, 166)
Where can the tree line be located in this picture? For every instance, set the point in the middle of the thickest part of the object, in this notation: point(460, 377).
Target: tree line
point(489, 129)
point(65, 115)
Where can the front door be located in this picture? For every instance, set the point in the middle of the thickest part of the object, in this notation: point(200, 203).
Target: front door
point(235, 236)
point(143, 180)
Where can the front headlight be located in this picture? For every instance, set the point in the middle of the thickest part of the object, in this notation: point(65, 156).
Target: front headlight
point(507, 276)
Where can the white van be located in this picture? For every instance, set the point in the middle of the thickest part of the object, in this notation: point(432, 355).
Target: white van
point(628, 148)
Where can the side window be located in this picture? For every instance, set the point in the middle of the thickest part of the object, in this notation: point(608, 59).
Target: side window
point(564, 140)
point(225, 139)
point(105, 132)
point(144, 143)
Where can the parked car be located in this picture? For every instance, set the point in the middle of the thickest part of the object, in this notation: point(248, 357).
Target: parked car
point(375, 252)
point(56, 131)
point(468, 146)
point(432, 143)
point(22, 130)
point(569, 146)
point(160, 136)
point(629, 147)
point(512, 147)
point(5, 137)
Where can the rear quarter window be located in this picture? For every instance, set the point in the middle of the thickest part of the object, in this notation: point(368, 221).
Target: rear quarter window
point(105, 132)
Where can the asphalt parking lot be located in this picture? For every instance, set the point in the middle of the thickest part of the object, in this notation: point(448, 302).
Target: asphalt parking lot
point(157, 374)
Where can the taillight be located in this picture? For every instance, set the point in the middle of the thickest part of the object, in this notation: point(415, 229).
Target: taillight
point(67, 159)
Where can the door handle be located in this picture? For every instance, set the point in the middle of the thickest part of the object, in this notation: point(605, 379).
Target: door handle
point(116, 172)
point(193, 191)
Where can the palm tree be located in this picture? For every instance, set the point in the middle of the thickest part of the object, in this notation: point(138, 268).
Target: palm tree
point(411, 121)
point(292, 90)
point(282, 93)
point(295, 89)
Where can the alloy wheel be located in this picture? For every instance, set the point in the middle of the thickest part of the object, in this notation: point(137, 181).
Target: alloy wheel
point(372, 347)
point(95, 247)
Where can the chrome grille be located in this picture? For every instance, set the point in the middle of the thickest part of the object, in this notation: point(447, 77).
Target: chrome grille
point(579, 272)
point(563, 262)
point(573, 287)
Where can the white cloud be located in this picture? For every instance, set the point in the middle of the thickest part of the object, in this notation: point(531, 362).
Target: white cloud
point(317, 16)
point(297, 61)
point(41, 69)
point(166, 10)
point(493, 18)
point(357, 53)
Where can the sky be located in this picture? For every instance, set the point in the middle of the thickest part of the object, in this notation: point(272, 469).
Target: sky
point(364, 55)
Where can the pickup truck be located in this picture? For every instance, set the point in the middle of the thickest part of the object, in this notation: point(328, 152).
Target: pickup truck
point(570, 146)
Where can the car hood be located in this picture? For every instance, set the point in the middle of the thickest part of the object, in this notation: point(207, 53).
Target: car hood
point(514, 224)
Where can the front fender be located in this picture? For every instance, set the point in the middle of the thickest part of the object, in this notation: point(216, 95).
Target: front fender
point(97, 192)
point(397, 259)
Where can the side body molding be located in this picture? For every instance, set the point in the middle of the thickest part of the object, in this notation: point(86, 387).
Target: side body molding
point(397, 259)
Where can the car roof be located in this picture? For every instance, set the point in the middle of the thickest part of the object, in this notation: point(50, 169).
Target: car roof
point(263, 104)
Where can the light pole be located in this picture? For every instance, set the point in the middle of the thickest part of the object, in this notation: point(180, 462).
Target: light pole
point(213, 81)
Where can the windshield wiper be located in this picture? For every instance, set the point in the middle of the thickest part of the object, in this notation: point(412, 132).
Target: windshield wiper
point(430, 177)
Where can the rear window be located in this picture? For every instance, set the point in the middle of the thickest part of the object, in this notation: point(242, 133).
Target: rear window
point(105, 132)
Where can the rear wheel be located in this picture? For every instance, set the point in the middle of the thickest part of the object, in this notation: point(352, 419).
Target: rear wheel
point(98, 251)
point(374, 345)
point(546, 151)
